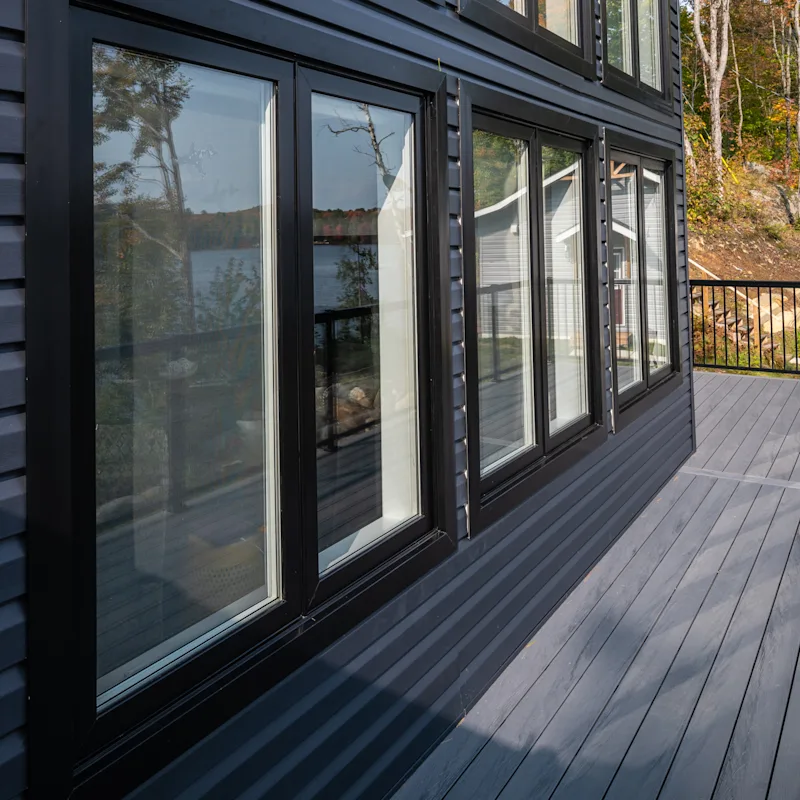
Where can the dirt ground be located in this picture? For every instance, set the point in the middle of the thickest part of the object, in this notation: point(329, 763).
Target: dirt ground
point(742, 252)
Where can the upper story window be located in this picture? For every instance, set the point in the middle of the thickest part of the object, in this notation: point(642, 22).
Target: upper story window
point(559, 30)
point(531, 307)
point(641, 274)
point(636, 48)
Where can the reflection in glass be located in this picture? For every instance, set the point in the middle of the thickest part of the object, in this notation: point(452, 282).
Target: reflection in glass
point(502, 256)
point(561, 18)
point(625, 264)
point(619, 35)
point(655, 239)
point(365, 325)
point(649, 43)
point(514, 5)
point(185, 442)
point(564, 287)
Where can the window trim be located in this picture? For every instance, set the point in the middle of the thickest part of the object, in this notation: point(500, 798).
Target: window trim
point(631, 85)
point(319, 588)
point(630, 404)
point(119, 748)
point(525, 31)
point(494, 495)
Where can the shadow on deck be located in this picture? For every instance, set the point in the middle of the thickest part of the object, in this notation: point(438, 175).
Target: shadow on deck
point(669, 671)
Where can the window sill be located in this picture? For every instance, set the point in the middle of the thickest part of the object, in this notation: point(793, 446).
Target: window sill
point(619, 82)
point(499, 501)
point(642, 403)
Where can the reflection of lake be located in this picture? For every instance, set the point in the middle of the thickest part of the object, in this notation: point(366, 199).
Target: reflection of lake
point(326, 258)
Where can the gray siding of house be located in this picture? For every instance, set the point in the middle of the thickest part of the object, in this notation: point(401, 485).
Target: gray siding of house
point(12, 402)
point(355, 720)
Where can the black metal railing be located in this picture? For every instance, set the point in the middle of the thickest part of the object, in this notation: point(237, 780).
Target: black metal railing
point(167, 401)
point(746, 325)
point(500, 322)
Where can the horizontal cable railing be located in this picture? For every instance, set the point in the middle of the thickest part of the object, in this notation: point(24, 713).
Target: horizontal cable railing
point(746, 325)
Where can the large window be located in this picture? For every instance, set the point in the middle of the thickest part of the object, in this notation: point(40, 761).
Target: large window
point(531, 344)
point(257, 367)
point(635, 47)
point(368, 459)
point(640, 273)
point(557, 29)
point(186, 434)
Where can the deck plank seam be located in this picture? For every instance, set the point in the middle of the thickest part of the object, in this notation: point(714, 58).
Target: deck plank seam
point(656, 528)
point(619, 622)
point(741, 478)
point(719, 649)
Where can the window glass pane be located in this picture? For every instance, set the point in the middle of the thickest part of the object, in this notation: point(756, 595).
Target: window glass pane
point(368, 471)
point(505, 344)
point(185, 442)
point(560, 17)
point(619, 35)
point(649, 43)
point(564, 287)
point(655, 239)
point(625, 265)
point(514, 5)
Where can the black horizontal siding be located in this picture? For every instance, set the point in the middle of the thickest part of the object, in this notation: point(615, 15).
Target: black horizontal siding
point(352, 722)
point(12, 398)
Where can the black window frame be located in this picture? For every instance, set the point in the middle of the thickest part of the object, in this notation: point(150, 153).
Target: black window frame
point(494, 495)
point(525, 31)
point(111, 751)
point(632, 85)
point(632, 403)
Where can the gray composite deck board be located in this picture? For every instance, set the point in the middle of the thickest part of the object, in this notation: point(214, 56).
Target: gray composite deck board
point(672, 670)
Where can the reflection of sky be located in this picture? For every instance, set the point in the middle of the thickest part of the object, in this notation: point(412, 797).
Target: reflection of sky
point(217, 137)
point(345, 175)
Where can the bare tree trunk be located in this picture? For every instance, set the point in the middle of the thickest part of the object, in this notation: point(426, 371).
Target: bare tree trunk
point(689, 153)
point(715, 59)
point(783, 56)
point(740, 122)
point(796, 30)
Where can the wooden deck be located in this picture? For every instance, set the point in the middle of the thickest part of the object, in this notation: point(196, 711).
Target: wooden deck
point(669, 672)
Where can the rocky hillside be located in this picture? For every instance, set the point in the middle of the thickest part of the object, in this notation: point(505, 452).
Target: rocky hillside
point(760, 237)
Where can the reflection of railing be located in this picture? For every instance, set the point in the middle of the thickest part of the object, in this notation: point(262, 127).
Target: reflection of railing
point(176, 375)
point(328, 349)
point(564, 303)
point(746, 325)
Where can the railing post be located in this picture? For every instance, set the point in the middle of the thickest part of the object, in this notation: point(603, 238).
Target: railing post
point(495, 342)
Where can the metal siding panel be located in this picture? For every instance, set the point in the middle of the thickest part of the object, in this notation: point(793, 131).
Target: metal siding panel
point(12, 634)
point(12, 507)
point(12, 569)
point(12, 765)
point(12, 126)
point(11, 66)
point(12, 176)
point(12, 699)
point(12, 14)
point(12, 379)
point(12, 442)
point(12, 315)
point(12, 242)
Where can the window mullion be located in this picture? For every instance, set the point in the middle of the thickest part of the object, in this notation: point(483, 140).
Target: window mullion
point(537, 282)
point(644, 335)
point(635, 39)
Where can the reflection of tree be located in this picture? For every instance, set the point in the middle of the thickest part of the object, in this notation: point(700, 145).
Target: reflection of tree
point(233, 298)
point(143, 96)
point(496, 164)
point(355, 272)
